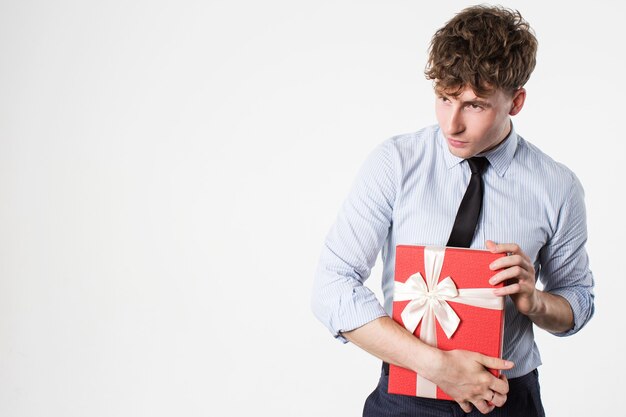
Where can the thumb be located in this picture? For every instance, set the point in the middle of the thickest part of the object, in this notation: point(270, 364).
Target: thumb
point(495, 363)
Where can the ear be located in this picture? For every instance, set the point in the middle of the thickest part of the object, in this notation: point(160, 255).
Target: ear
point(519, 97)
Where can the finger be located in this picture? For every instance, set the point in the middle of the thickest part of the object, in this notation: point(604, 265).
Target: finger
point(494, 363)
point(514, 274)
point(508, 290)
point(498, 400)
point(502, 247)
point(511, 249)
point(465, 406)
point(483, 407)
point(508, 248)
point(509, 261)
point(511, 273)
point(488, 395)
point(500, 385)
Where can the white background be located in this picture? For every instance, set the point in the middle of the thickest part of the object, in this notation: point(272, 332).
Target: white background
point(169, 169)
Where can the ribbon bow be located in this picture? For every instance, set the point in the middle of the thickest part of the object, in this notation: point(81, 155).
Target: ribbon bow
point(428, 301)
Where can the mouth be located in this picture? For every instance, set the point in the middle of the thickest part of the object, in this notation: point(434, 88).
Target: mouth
point(456, 143)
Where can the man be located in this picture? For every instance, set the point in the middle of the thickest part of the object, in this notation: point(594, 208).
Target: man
point(408, 192)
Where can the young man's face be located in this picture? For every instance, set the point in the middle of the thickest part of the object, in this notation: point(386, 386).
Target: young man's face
point(473, 124)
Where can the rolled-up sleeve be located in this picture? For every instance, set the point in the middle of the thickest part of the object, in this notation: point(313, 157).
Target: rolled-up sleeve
point(564, 261)
point(339, 299)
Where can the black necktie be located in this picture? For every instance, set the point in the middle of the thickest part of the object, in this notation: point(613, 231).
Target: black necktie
point(469, 210)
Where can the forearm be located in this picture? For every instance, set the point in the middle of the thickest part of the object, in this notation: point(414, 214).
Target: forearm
point(387, 340)
point(552, 312)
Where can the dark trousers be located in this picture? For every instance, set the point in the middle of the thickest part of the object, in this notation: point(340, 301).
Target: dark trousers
point(523, 400)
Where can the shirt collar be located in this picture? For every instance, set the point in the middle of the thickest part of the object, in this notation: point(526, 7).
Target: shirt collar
point(499, 158)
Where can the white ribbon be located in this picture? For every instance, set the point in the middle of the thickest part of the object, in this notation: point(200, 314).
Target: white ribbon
point(428, 304)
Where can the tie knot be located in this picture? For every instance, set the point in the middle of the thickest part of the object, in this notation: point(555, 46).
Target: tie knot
point(478, 164)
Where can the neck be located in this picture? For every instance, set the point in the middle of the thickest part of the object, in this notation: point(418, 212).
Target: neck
point(507, 132)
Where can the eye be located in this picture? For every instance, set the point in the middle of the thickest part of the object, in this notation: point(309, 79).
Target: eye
point(475, 107)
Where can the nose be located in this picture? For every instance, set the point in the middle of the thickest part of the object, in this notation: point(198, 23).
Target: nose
point(455, 122)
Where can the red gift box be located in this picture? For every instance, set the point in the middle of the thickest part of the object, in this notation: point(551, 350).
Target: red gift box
point(443, 296)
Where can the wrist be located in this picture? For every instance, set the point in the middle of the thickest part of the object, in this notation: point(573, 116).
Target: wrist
point(428, 361)
point(537, 305)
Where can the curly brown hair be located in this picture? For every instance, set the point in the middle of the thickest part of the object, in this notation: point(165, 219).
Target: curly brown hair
point(484, 47)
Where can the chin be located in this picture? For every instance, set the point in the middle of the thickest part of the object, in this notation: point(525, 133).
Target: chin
point(460, 153)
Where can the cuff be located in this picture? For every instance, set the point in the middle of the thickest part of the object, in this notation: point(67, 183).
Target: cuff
point(581, 302)
point(356, 309)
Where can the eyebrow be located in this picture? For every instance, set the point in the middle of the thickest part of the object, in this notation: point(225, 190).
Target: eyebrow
point(475, 101)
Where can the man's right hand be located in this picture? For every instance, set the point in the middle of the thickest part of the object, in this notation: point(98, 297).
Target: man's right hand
point(463, 375)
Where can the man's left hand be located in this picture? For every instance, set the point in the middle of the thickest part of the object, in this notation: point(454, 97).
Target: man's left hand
point(518, 274)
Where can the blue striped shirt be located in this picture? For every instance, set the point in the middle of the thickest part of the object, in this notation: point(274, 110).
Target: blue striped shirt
point(408, 192)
